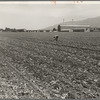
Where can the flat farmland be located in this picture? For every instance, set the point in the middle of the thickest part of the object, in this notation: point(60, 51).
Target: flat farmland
point(68, 68)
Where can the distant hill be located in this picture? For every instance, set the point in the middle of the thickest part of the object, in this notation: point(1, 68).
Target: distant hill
point(51, 27)
point(94, 22)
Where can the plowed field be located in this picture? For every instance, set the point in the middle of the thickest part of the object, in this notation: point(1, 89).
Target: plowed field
point(33, 65)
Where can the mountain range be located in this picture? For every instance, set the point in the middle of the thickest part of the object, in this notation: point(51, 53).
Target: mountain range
point(93, 22)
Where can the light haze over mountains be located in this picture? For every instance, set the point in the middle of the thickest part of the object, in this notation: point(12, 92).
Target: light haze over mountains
point(93, 22)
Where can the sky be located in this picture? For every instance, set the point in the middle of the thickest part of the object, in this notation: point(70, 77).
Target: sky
point(39, 16)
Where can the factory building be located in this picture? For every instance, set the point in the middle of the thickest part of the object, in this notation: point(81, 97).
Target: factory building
point(95, 29)
point(74, 28)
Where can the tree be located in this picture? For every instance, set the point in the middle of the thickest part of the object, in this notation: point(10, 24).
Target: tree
point(54, 29)
point(59, 28)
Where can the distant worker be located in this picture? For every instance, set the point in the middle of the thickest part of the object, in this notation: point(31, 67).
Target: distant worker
point(56, 37)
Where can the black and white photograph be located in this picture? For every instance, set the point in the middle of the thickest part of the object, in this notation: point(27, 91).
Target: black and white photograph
point(50, 50)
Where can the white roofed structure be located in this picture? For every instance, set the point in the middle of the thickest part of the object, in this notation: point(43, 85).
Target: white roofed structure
point(75, 28)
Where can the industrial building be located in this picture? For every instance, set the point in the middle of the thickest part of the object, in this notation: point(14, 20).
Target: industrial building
point(95, 29)
point(74, 28)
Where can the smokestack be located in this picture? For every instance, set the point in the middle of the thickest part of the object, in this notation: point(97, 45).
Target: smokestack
point(63, 20)
point(72, 21)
